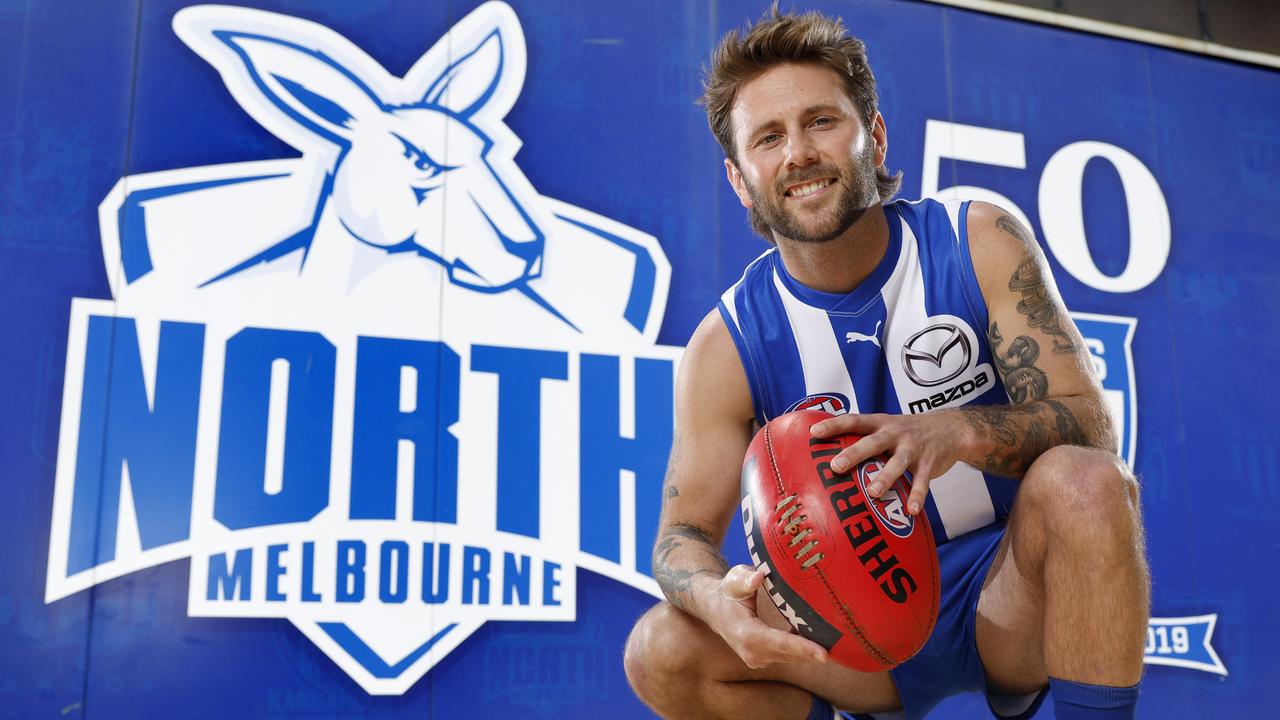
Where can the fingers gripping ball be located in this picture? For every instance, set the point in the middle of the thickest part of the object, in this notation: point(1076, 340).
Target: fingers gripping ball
point(858, 576)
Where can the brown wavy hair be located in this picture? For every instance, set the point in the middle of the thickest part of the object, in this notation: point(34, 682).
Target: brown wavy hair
point(790, 37)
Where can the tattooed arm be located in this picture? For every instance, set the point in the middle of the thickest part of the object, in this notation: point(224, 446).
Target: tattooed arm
point(1055, 397)
point(687, 549)
point(713, 428)
point(1047, 372)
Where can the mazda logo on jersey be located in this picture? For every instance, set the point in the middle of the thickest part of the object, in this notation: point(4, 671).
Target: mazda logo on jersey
point(935, 355)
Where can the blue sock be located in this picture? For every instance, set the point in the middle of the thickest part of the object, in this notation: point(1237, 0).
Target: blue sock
point(821, 710)
point(1081, 701)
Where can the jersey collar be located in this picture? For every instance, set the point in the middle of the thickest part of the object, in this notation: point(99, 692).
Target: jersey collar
point(857, 299)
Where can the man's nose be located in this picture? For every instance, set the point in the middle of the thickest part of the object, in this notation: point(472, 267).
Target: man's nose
point(800, 150)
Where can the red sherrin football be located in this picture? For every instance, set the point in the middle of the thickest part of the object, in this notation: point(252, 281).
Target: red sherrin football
point(859, 578)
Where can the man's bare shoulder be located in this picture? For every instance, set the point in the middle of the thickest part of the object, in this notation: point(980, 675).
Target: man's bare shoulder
point(711, 340)
point(712, 379)
point(999, 243)
point(993, 230)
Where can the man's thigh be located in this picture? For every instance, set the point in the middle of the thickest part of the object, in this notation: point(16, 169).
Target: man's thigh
point(1009, 627)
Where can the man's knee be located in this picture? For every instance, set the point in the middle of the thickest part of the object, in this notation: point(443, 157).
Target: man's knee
point(1083, 493)
point(662, 652)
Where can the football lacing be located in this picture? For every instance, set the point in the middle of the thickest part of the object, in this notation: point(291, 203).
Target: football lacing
point(791, 522)
point(800, 536)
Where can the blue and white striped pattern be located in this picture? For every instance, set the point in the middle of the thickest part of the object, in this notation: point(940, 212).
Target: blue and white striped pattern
point(795, 342)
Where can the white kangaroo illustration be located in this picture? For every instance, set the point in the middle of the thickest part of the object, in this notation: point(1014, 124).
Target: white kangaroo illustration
point(407, 189)
point(874, 337)
point(389, 176)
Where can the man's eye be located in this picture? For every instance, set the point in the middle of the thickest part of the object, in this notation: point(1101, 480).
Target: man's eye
point(823, 121)
point(770, 139)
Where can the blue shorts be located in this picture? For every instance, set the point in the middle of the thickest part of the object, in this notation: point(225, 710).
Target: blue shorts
point(948, 664)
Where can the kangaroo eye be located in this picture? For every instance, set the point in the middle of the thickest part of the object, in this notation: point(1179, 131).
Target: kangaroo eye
point(419, 158)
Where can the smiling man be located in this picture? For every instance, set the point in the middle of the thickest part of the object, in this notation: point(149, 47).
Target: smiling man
point(936, 331)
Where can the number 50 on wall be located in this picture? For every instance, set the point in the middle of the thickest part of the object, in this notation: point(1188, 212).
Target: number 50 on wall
point(1060, 198)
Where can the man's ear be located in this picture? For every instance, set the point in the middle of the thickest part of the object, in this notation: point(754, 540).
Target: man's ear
point(739, 186)
point(881, 138)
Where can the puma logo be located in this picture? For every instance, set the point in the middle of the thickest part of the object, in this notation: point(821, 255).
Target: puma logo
point(874, 337)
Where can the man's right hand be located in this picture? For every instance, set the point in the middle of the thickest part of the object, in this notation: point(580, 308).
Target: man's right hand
point(732, 613)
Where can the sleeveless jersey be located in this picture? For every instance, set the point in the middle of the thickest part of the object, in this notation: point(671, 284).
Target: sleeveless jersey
point(911, 338)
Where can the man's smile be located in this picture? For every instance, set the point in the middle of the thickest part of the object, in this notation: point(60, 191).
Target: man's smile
point(809, 188)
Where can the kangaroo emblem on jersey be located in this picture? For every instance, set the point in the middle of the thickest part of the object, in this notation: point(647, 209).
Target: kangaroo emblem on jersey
point(873, 338)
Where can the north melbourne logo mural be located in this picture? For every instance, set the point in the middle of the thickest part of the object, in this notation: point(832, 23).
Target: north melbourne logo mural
point(385, 390)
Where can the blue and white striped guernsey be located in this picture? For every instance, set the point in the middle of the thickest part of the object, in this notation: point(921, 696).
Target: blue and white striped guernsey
point(909, 339)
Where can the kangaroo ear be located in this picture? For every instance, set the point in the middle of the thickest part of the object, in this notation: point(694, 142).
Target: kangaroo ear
point(466, 85)
point(305, 84)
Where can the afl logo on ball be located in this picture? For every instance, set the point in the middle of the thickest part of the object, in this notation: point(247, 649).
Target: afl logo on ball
point(834, 403)
point(891, 508)
point(936, 354)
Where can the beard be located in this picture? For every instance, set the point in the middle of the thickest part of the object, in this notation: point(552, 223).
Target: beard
point(855, 188)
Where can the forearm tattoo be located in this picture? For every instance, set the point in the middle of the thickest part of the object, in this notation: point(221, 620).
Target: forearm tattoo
point(1021, 433)
point(1034, 422)
point(677, 581)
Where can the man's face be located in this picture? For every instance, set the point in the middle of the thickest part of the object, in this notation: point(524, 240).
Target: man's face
point(806, 165)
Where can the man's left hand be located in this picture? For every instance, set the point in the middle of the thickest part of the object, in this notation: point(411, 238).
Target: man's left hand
point(927, 445)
